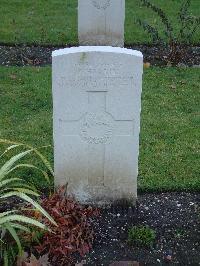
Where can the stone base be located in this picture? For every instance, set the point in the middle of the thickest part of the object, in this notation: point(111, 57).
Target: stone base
point(101, 40)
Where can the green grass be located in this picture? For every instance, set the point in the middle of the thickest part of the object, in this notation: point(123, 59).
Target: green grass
point(25, 110)
point(54, 22)
point(169, 129)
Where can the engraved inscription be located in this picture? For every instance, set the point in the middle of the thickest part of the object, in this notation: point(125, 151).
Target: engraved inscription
point(96, 128)
point(101, 4)
point(99, 69)
point(92, 82)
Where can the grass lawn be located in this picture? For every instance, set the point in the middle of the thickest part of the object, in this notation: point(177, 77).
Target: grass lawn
point(169, 133)
point(54, 22)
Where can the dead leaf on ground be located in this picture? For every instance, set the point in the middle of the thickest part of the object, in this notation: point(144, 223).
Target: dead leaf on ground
point(13, 76)
point(173, 86)
point(29, 61)
point(147, 65)
point(182, 82)
point(44, 260)
point(83, 262)
point(21, 259)
point(32, 260)
point(169, 64)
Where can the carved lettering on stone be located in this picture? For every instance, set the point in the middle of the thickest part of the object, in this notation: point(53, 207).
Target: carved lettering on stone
point(101, 4)
point(97, 99)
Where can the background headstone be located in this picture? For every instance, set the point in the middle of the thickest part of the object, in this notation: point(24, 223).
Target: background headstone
point(101, 22)
point(97, 102)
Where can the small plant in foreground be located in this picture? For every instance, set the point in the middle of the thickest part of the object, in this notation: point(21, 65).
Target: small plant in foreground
point(179, 233)
point(13, 221)
point(141, 235)
point(73, 233)
point(176, 41)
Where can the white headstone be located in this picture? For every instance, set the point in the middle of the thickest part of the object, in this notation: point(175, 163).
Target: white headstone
point(101, 22)
point(96, 112)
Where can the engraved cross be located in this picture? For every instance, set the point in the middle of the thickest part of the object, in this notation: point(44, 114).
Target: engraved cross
point(97, 127)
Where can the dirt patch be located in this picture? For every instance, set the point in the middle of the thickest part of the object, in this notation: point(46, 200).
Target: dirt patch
point(40, 56)
point(175, 217)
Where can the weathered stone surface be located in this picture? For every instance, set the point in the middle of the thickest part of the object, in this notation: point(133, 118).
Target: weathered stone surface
point(97, 102)
point(101, 22)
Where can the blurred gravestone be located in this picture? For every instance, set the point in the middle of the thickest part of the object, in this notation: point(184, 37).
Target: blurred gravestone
point(101, 22)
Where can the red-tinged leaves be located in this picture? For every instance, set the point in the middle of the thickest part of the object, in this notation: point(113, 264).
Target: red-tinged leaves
point(73, 234)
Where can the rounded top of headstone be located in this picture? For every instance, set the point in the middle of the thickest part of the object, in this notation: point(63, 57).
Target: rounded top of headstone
point(105, 49)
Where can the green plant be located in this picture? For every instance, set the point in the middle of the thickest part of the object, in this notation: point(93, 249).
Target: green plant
point(141, 235)
point(176, 41)
point(179, 233)
point(14, 221)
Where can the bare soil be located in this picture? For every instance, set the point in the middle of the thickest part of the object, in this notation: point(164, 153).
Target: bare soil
point(175, 217)
point(22, 55)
